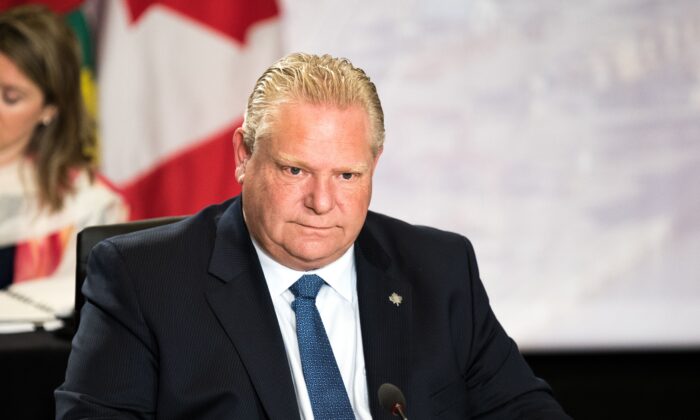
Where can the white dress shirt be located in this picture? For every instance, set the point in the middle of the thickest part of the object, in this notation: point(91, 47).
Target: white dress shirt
point(337, 304)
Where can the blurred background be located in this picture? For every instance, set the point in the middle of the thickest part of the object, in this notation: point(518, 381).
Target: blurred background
point(563, 139)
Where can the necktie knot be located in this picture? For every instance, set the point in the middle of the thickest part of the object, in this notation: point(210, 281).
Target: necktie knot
point(307, 286)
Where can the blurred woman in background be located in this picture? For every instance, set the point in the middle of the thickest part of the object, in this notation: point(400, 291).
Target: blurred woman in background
point(48, 186)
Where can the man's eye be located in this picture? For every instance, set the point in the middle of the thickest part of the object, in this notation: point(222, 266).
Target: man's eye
point(348, 175)
point(294, 170)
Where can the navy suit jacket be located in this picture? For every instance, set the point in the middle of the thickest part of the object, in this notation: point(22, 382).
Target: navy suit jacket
point(179, 324)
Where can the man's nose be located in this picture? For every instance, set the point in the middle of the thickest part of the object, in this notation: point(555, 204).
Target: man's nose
point(320, 196)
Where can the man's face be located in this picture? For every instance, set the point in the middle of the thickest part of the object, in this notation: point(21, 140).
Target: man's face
point(307, 185)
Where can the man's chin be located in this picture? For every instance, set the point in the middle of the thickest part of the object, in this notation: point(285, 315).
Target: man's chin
point(310, 258)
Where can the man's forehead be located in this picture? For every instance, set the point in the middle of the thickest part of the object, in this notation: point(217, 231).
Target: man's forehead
point(339, 164)
point(296, 106)
point(289, 128)
point(323, 117)
point(270, 125)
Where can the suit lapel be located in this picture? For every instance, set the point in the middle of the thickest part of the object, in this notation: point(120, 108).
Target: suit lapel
point(385, 325)
point(242, 303)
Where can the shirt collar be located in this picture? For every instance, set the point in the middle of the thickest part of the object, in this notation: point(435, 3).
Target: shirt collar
point(338, 274)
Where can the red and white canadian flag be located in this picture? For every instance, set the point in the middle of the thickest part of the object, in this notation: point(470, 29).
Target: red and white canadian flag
point(174, 77)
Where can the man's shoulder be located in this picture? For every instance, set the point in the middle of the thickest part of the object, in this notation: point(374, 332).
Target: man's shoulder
point(409, 248)
point(391, 233)
point(381, 224)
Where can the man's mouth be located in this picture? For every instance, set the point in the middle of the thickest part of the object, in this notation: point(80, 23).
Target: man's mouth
point(307, 226)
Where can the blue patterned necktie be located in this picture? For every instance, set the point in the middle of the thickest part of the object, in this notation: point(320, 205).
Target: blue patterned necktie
point(329, 400)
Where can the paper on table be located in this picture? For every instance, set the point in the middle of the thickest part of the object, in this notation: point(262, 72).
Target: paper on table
point(35, 304)
point(54, 294)
point(15, 310)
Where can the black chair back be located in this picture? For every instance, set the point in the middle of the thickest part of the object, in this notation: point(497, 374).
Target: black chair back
point(91, 236)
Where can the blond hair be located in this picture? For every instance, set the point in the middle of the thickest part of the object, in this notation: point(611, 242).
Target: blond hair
point(314, 79)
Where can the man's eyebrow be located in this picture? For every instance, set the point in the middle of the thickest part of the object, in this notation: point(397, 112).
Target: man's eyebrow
point(360, 167)
point(288, 160)
point(285, 159)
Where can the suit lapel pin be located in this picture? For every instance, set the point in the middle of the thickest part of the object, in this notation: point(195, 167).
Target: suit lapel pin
point(396, 299)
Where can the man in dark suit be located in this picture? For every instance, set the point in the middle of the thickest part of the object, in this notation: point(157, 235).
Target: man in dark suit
point(292, 300)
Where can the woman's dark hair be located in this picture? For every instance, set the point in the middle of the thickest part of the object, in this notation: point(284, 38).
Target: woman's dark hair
point(46, 50)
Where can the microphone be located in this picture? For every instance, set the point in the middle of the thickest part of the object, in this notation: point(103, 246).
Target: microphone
point(391, 399)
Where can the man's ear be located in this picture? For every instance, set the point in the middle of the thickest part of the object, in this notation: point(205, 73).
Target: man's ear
point(241, 154)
